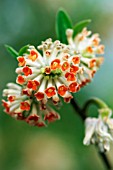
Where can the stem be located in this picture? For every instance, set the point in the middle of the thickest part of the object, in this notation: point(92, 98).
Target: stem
point(82, 113)
point(78, 109)
point(99, 103)
point(105, 160)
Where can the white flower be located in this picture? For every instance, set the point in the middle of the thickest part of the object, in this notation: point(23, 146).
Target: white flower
point(21, 104)
point(98, 131)
point(88, 47)
point(50, 74)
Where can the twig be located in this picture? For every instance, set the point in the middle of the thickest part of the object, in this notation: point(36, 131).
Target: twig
point(78, 109)
point(105, 160)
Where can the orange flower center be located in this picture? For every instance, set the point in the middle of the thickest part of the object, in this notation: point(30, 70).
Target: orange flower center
point(11, 98)
point(20, 79)
point(89, 49)
point(73, 87)
point(70, 76)
point(27, 71)
point(55, 64)
point(65, 66)
point(47, 70)
point(25, 106)
point(62, 90)
point(33, 55)
point(74, 69)
point(50, 91)
point(76, 60)
point(39, 95)
point(21, 61)
point(92, 63)
point(33, 84)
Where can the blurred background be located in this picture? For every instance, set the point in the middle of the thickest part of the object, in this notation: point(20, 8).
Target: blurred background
point(58, 147)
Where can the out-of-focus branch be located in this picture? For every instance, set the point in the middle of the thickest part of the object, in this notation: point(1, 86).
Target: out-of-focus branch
point(83, 114)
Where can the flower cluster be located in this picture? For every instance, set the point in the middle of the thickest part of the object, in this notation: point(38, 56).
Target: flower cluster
point(52, 71)
point(22, 105)
point(89, 48)
point(50, 75)
point(99, 131)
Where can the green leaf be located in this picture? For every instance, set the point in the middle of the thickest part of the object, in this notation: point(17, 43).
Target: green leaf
point(63, 22)
point(79, 26)
point(11, 51)
point(23, 50)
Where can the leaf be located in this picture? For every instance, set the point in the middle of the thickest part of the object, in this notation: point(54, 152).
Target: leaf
point(63, 22)
point(23, 50)
point(79, 26)
point(11, 51)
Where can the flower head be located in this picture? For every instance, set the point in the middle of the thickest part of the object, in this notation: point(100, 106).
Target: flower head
point(51, 73)
point(99, 131)
point(22, 105)
point(88, 47)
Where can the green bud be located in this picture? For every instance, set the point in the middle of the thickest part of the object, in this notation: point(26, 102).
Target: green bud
point(105, 112)
point(47, 77)
point(42, 70)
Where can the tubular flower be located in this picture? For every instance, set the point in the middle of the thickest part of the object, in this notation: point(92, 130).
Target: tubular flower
point(21, 104)
point(50, 75)
point(99, 131)
point(89, 49)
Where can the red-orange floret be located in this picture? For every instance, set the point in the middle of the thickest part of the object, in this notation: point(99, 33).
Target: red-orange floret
point(39, 95)
point(20, 79)
point(73, 87)
point(83, 83)
point(95, 41)
point(33, 84)
point(21, 61)
point(74, 69)
point(11, 98)
point(65, 66)
point(51, 117)
point(25, 106)
point(47, 70)
point(50, 91)
point(48, 53)
point(55, 64)
point(89, 49)
point(92, 63)
point(27, 71)
point(70, 76)
point(32, 119)
point(5, 104)
point(62, 90)
point(76, 60)
point(33, 55)
point(26, 92)
point(67, 99)
point(19, 116)
point(40, 124)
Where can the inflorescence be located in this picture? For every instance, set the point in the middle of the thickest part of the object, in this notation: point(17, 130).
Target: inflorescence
point(99, 131)
point(52, 71)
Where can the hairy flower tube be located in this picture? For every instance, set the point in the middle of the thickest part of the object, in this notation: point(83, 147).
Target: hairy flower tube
point(89, 49)
point(21, 104)
point(50, 73)
point(99, 131)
